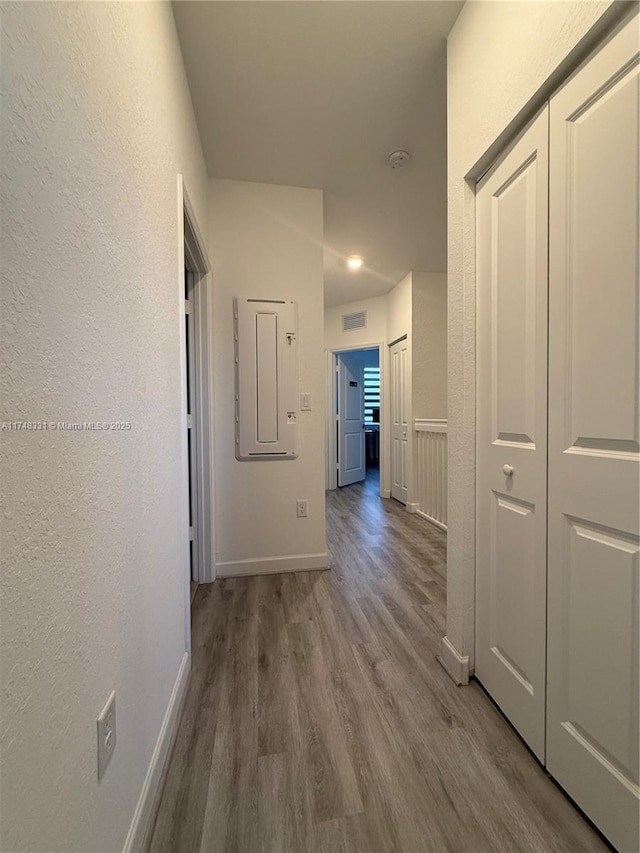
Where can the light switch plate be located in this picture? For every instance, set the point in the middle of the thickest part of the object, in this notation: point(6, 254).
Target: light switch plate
point(305, 402)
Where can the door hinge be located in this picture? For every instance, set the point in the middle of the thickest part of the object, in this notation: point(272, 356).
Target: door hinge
point(187, 306)
point(189, 421)
point(192, 534)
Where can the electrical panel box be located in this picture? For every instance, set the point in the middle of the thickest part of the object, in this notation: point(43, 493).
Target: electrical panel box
point(266, 391)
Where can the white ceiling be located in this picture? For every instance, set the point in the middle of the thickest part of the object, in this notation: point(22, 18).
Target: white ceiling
point(316, 94)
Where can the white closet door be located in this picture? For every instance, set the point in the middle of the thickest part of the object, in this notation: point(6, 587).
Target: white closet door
point(592, 737)
point(511, 374)
point(400, 389)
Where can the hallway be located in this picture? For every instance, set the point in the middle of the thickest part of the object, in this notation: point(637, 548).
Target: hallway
point(318, 719)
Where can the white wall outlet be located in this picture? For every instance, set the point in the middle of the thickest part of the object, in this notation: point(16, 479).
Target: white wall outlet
point(106, 734)
point(302, 509)
point(305, 402)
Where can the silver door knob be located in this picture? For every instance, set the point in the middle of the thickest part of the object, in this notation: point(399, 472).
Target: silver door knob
point(507, 470)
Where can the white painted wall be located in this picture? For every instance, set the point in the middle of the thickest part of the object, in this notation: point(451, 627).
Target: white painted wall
point(429, 335)
point(399, 310)
point(266, 242)
point(499, 58)
point(376, 330)
point(96, 124)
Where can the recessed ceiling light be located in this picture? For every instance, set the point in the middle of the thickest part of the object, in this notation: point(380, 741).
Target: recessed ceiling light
point(354, 263)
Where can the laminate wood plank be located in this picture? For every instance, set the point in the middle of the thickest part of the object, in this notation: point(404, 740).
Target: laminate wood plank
point(179, 820)
point(334, 790)
point(318, 720)
point(274, 686)
point(273, 773)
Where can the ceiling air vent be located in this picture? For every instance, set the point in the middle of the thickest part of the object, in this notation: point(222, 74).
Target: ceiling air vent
point(357, 320)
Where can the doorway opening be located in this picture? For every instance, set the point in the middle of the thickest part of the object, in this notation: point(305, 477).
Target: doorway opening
point(355, 435)
point(196, 403)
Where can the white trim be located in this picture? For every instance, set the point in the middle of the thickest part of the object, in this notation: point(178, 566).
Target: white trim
point(193, 254)
point(385, 493)
point(404, 337)
point(431, 520)
point(331, 477)
point(433, 425)
point(183, 471)
point(150, 792)
point(439, 426)
point(411, 507)
point(200, 245)
point(273, 565)
point(455, 664)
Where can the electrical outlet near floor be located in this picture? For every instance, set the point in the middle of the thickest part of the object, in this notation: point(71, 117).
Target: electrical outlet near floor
point(302, 509)
point(106, 734)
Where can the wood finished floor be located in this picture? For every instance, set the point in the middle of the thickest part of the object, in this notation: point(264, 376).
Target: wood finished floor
point(318, 719)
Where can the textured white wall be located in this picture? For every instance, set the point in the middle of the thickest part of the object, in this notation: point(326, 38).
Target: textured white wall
point(96, 124)
point(376, 330)
point(399, 309)
point(499, 56)
point(266, 242)
point(429, 334)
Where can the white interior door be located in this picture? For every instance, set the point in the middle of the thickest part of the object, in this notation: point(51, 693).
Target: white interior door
point(592, 739)
point(399, 357)
point(351, 436)
point(512, 433)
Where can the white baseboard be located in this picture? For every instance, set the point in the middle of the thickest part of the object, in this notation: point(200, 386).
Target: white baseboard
point(411, 507)
point(432, 520)
point(385, 493)
point(150, 788)
point(272, 565)
point(455, 664)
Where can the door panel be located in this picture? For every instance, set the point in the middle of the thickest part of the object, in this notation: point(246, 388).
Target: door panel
point(400, 380)
point(513, 574)
point(602, 566)
point(511, 430)
point(594, 441)
point(513, 363)
point(351, 437)
point(352, 452)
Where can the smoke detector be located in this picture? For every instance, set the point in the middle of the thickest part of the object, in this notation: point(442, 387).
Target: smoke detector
point(398, 159)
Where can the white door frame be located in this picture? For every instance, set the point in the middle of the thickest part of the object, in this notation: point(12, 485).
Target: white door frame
point(192, 252)
point(331, 408)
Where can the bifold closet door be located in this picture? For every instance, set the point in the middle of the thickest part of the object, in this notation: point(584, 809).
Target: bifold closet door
point(511, 521)
point(592, 728)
